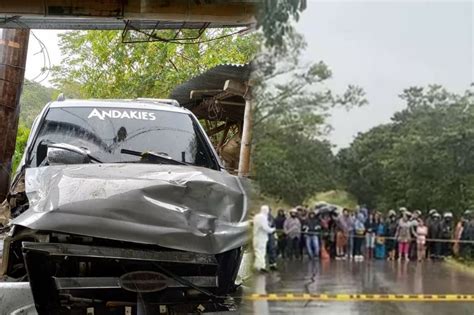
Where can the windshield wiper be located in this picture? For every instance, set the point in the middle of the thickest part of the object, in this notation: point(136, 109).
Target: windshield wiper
point(153, 157)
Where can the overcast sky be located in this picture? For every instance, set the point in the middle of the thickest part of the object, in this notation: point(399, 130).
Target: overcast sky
point(382, 46)
point(385, 47)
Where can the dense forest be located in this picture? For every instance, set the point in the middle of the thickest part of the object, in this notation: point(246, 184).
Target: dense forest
point(423, 158)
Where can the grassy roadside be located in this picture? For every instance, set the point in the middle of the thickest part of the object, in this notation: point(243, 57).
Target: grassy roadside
point(467, 267)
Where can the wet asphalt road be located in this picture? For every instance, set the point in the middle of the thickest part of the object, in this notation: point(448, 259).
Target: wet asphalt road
point(376, 277)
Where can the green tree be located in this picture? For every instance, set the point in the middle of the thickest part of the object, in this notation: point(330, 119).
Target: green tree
point(422, 159)
point(97, 64)
point(291, 105)
point(292, 167)
point(21, 139)
point(33, 98)
point(275, 20)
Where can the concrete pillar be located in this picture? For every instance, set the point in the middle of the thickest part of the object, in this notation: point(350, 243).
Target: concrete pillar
point(246, 142)
point(13, 51)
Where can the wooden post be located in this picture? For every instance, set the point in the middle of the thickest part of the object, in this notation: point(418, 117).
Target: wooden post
point(246, 141)
point(13, 51)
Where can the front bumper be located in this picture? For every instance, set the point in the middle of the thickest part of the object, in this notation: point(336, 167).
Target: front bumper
point(65, 278)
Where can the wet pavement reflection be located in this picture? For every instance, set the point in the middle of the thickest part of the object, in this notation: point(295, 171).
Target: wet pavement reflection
point(373, 277)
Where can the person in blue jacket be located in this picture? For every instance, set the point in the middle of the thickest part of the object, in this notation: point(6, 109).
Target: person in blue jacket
point(359, 232)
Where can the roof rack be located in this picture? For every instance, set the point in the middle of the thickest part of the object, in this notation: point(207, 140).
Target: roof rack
point(159, 101)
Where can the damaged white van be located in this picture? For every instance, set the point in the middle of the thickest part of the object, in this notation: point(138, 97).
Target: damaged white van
point(123, 207)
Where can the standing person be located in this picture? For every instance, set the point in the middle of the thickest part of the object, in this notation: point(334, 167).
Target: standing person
point(379, 237)
point(334, 217)
point(466, 249)
point(271, 244)
point(292, 229)
point(370, 227)
point(430, 246)
point(261, 229)
point(457, 234)
point(446, 234)
point(324, 248)
point(421, 233)
point(434, 232)
point(279, 222)
point(302, 216)
point(350, 236)
point(403, 236)
point(343, 224)
point(359, 228)
point(413, 254)
point(390, 232)
point(313, 228)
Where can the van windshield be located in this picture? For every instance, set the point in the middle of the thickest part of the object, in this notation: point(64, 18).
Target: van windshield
point(106, 131)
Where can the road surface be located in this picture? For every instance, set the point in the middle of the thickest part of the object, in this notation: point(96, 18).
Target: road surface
point(375, 277)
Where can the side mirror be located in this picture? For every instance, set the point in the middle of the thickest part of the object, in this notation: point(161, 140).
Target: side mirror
point(63, 153)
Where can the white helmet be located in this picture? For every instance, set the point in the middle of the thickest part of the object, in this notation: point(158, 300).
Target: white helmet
point(448, 214)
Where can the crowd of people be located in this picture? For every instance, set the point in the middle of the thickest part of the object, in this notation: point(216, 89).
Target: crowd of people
point(327, 232)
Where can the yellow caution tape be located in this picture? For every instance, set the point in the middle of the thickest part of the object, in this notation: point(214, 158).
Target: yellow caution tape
point(362, 297)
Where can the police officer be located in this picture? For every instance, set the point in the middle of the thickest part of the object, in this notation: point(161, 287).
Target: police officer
point(434, 230)
point(429, 223)
point(446, 233)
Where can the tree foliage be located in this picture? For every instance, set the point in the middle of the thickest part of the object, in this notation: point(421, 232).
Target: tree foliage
point(97, 64)
point(275, 20)
point(291, 166)
point(33, 98)
point(422, 159)
point(291, 105)
point(21, 139)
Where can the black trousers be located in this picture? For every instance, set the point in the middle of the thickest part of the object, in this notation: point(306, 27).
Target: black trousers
point(293, 246)
point(281, 249)
point(358, 240)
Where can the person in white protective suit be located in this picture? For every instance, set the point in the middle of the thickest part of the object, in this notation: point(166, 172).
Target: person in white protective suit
point(261, 229)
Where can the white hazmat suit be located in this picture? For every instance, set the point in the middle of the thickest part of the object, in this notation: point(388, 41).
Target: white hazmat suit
point(261, 229)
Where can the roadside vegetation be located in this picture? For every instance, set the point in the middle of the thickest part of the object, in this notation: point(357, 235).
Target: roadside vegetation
point(421, 159)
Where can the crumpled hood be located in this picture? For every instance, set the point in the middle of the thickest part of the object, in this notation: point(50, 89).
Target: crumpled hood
point(182, 207)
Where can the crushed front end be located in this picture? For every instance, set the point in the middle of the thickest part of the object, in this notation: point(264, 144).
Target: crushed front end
point(81, 275)
point(129, 239)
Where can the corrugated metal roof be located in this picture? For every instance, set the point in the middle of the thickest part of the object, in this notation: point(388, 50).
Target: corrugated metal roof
point(212, 79)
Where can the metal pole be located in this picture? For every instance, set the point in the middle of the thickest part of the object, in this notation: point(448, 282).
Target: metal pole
point(13, 51)
point(246, 143)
